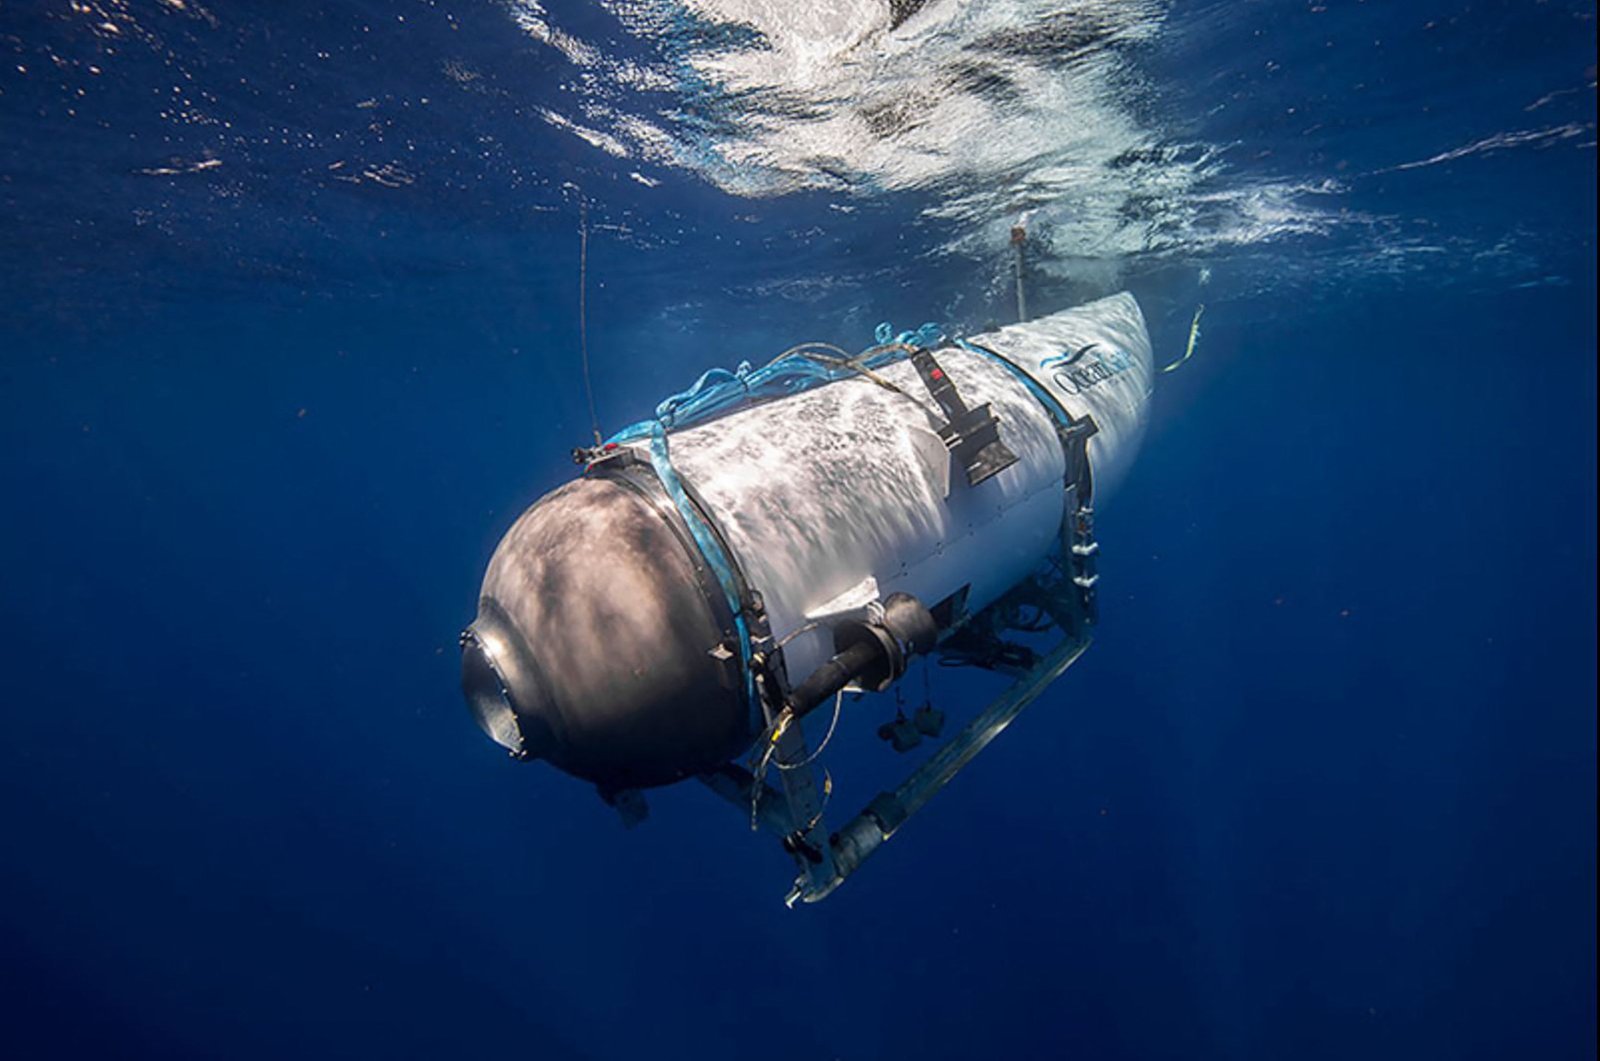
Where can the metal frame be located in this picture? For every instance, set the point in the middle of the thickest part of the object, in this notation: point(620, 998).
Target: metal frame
point(794, 811)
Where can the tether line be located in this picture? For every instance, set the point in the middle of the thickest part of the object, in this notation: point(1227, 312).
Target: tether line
point(583, 311)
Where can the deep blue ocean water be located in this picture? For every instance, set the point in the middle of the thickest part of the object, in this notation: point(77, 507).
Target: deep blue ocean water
point(289, 335)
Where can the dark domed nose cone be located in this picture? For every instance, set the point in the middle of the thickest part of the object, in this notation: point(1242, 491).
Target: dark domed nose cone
point(597, 647)
point(486, 693)
point(487, 655)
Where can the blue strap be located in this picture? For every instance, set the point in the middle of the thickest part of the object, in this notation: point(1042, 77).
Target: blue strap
point(719, 391)
point(710, 548)
point(717, 384)
point(927, 335)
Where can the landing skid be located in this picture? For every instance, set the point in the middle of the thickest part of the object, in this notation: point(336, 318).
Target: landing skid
point(1062, 600)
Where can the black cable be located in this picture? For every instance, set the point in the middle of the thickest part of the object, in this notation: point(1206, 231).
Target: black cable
point(583, 311)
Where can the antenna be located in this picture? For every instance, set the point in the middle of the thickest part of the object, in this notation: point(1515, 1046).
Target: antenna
point(1019, 236)
point(583, 310)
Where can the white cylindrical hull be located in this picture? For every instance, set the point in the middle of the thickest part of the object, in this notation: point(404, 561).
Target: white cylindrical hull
point(845, 493)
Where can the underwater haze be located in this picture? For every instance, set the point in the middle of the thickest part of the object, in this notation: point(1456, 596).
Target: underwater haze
point(289, 335)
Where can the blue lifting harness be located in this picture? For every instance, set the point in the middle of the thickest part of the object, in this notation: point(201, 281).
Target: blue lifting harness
point(719, 391)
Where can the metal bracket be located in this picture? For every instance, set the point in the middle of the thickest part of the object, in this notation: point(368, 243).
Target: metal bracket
point(1081, 553)
point(971, 434)
point(794, 811)
point(858, 838)
point(807, 840)
point(1075, 436)
point(793, 815)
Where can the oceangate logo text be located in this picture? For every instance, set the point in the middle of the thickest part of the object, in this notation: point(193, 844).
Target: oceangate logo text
point(1086, 367)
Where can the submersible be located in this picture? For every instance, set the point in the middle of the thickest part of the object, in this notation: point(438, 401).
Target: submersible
point(775, 537)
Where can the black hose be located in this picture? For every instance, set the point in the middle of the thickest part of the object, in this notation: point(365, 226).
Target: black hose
point(834, 675)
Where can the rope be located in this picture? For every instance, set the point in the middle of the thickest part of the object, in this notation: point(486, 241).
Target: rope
point(1017, 240)
point(799, 368)
point(1194, 337)
point(583, 311)
point(758, 779)
point(769, 758)
point(808, 760)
